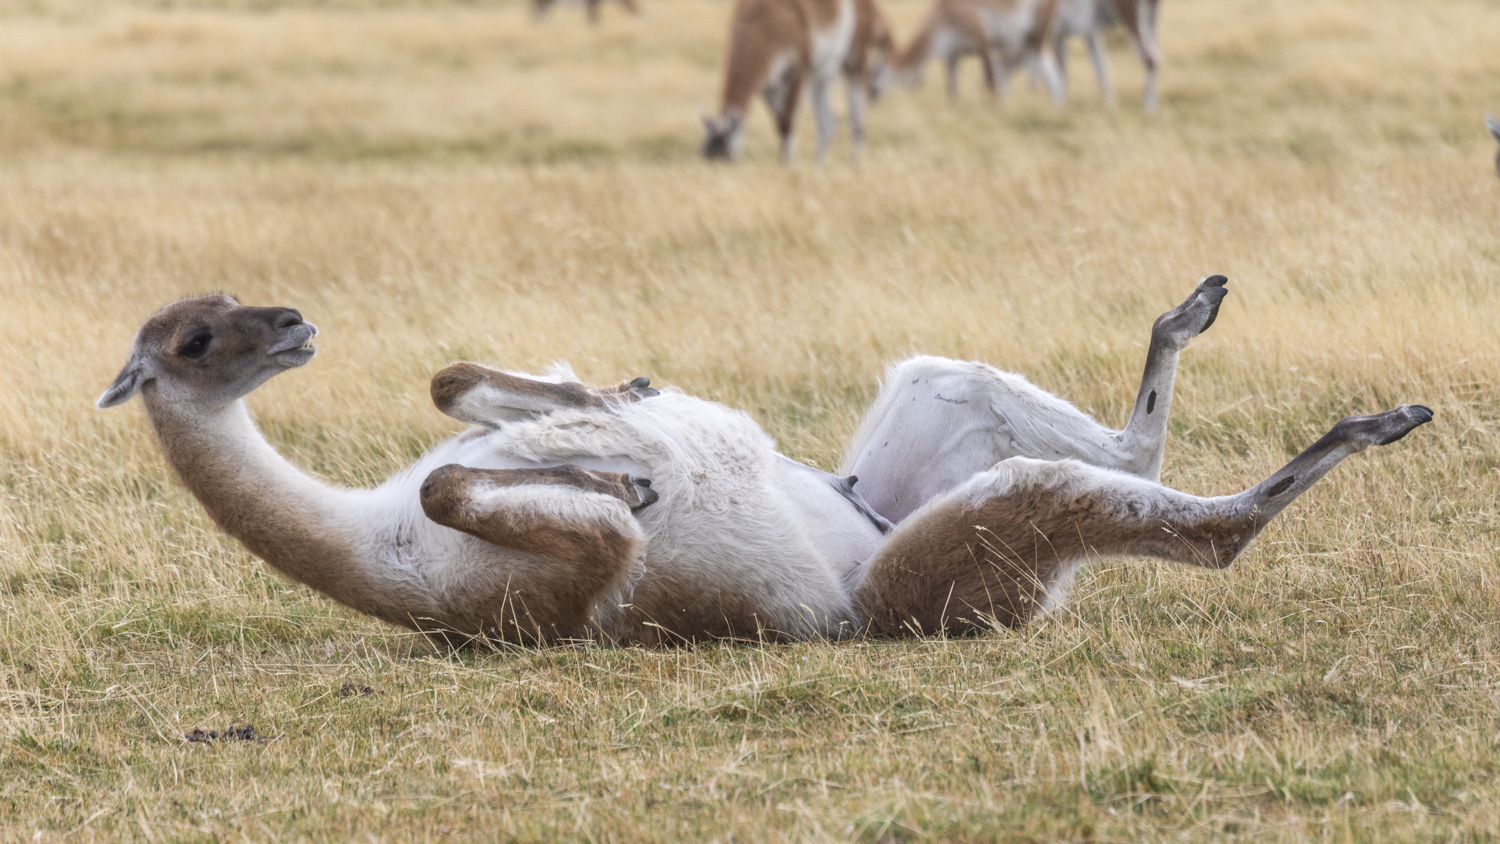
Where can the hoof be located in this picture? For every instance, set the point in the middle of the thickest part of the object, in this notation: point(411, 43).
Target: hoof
point(1407, 418)
point(1382, 428)
point(640, 388)
point(1194, 316)
point(646, 495)
point(1213, 287)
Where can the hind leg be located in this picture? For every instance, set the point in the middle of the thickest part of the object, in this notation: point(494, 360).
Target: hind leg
point(1002, 547)
point(937, 422)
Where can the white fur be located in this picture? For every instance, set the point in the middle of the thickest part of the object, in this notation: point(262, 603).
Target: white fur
point(937, 422)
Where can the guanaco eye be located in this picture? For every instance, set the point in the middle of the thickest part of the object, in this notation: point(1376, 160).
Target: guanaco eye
point(196, 347)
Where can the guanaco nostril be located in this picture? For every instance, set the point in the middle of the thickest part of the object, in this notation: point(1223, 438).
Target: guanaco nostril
point(288, 318)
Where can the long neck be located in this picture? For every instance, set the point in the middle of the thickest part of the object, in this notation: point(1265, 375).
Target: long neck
point(750, 56)
point(303, 528)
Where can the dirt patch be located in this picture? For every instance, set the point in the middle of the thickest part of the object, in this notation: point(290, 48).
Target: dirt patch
point(356, 690)
point(230, 733)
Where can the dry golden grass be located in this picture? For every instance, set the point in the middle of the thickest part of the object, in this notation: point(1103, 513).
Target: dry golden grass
point(431, 181)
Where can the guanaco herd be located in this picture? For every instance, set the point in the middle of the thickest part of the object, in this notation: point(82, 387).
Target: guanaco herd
point(778, 47)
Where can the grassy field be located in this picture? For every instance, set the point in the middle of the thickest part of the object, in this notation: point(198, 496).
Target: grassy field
point(434, 181)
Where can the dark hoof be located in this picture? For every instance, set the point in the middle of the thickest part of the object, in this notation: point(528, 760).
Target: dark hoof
point(1416, 416)
point(1213, 287)
point(643, 490)
point(641, 388)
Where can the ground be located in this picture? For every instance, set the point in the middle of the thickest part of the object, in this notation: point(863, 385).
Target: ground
point(432, 181)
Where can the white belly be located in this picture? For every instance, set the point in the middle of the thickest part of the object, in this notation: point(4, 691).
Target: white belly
point(733, 516)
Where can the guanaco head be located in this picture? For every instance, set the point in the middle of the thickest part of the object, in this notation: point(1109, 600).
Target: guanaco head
point(723, 136)
point(1494, 126)
point(210, 350)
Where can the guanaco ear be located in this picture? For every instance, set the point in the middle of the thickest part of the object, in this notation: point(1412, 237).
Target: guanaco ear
point(1493, 125)
point(126, 384)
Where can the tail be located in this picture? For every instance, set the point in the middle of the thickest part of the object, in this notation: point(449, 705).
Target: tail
point(1493, 125)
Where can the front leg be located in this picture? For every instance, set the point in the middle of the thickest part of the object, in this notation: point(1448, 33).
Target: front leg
point(483, 396)
point(575, 533)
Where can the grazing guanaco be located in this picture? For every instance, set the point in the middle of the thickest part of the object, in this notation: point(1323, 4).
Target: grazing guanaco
point(776, 47)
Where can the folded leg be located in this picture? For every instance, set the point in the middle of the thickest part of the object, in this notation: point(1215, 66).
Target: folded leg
point(937, 421)
point(574, 536)
point(482, 396)
point(1003, 547)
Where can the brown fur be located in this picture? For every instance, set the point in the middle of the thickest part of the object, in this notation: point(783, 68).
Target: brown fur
point(658, 616)
point(959, 569)
point(759, 31)
point(295, 535)
point(455, 380)
point(764, 33)
point(873, 43)
point(577, 560)
point(288, 534)
point(528, 395)
point(984, 554)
